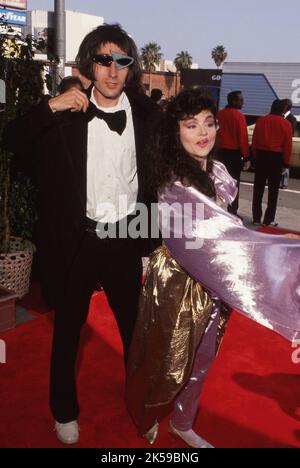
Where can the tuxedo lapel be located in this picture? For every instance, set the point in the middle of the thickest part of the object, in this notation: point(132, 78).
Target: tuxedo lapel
point(74, 131)
point(139, 125)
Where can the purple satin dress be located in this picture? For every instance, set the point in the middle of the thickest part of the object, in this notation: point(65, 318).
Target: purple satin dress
point(256, 274)
point(187, 401)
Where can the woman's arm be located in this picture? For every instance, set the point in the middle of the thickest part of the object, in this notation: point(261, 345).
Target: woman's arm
point(255, 273)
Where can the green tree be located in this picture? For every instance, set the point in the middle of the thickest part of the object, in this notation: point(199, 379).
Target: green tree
point(219, 55)
point(151, 55)
point(24, 79)
point(183, 61)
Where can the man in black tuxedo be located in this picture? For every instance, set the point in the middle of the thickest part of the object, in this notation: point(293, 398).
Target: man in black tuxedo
point(86, 152)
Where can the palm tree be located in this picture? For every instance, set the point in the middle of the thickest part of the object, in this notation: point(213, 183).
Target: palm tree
point(183, 61)
point(151, 55)
point(219, 55)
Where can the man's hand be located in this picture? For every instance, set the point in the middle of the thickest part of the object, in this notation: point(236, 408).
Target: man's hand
point(247, 165)
point(73, 100)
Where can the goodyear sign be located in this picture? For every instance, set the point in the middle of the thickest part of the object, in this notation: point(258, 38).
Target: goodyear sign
point(13, 16)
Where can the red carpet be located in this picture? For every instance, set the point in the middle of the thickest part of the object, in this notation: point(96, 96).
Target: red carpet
point(273, 230)
point(251, 399)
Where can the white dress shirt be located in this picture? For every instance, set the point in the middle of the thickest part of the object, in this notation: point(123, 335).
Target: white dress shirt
point(112, 183)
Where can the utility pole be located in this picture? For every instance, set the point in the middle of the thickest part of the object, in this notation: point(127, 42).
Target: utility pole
point(60, 39)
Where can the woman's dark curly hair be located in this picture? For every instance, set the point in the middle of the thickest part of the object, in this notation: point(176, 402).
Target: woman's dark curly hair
point(169, 159)
point(100, 36)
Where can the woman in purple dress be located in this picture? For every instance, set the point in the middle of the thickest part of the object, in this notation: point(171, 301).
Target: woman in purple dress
point(208, 258)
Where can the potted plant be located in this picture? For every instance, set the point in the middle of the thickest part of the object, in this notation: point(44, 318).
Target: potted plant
point(24, 79)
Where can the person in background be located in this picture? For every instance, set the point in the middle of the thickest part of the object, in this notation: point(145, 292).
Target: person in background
point(156, 95)
point(272, 150)
point(233, 141)
point(70, 82)
point(287, 114)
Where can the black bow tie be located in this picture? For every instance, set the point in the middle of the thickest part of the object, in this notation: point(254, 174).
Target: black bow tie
point(115, 120)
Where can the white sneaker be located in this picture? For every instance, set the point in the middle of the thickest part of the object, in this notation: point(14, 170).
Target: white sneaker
point(67, 433)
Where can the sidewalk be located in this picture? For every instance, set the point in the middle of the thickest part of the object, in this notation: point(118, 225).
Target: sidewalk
point(288, 210)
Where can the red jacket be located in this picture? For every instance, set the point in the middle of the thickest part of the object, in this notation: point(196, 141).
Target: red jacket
point(273, 133)
point(233, 133)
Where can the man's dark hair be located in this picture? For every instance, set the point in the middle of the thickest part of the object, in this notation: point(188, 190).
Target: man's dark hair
point(233, 96)
point(100, 36)
point(68, 82)
point(277, 107)
point(156, 94)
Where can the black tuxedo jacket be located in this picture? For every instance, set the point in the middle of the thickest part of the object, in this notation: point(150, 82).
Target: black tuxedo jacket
point(54, 147)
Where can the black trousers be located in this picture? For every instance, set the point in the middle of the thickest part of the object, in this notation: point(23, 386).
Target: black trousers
point(268, 168)
point(116, 263)
point(233, 161)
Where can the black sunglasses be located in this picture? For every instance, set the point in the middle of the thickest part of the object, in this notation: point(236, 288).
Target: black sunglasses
point(121, 61)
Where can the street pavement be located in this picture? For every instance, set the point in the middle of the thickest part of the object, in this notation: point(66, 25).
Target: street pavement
point(288, 209)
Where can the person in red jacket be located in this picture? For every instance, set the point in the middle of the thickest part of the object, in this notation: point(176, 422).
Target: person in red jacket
point(272, 150)
point(233, 140)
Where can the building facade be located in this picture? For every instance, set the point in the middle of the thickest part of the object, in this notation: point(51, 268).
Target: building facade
point(261, 83)
point(41, 25)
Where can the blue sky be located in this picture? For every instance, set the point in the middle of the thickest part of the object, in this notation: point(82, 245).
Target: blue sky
point(256, 30)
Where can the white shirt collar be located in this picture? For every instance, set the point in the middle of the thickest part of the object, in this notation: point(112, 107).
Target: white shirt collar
point(123, 103)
